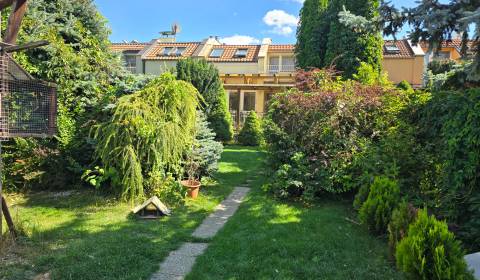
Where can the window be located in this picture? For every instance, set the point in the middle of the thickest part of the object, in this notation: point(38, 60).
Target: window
point(216, 53)
point(241, 53)
point(288, 64)
point(180, 51)
point(249, 101)
point(166, 51)
point(442, 55)
point(233, 100)
point(392, 49)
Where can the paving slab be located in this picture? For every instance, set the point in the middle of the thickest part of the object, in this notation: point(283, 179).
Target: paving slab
point(473, 262)
point(215, 221)
point(179, 262)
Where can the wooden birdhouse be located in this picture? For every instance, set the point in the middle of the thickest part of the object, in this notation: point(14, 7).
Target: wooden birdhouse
point(153, 208)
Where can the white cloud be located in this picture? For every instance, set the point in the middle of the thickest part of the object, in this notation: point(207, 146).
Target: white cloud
point(298, 1)
point(282, 23)
point(239, 40)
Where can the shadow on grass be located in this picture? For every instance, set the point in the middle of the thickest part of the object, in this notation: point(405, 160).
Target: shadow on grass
point(89, 236)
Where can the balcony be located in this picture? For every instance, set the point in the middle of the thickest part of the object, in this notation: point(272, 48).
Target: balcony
point(284, 68)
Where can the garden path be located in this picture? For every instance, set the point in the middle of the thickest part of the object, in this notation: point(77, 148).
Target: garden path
point(180, 262)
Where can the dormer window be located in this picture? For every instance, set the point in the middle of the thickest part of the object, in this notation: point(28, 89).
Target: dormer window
point(392, 49)
point(216, 53)
point(241, 53)
point(180, 51)
point(167, 51)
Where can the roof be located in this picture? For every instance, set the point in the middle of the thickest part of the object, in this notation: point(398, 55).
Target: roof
point(405, 50)
point(156, 202)
point(121, 47)
point(155, 52)
point(454, 43)
point(281, 48)
point(229, 53)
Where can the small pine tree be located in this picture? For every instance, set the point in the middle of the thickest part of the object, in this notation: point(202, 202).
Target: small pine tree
point(251, 133)
point(405, 86)
point(377, 210)
point(430, 251)
point(207, 151)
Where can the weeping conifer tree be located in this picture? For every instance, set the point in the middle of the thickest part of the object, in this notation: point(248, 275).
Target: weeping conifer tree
point(149, 132)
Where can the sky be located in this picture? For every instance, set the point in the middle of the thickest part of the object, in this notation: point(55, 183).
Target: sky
point(233, 21)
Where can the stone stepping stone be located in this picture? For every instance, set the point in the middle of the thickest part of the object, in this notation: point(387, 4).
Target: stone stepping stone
point(473, 262)
point(179, 262)
point(213, 223)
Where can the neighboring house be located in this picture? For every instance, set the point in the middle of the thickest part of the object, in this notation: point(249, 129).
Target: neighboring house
point(449, 50)
point(253, 73)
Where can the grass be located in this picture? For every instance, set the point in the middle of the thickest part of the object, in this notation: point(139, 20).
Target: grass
point(89, 236)
point(270, 239)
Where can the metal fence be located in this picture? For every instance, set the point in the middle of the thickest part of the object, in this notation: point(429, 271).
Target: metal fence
point(28, 106)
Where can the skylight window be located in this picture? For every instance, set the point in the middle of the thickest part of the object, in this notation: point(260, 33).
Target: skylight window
point(216, 53)
point(392, 49)
point(167, 51)
point(241, 53)
point(180, 51)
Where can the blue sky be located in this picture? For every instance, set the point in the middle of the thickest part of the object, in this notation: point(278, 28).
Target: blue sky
point(235, 21)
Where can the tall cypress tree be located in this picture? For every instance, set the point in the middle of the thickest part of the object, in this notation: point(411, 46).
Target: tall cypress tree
point(312, 34)
point(206, 79)
point(346, 49)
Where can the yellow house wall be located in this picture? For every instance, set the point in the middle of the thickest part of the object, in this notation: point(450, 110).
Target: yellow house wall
point(237, 68)
point(409, 69)
point(157, 67)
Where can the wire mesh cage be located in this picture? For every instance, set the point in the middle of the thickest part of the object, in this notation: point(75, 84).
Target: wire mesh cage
point(28, 106)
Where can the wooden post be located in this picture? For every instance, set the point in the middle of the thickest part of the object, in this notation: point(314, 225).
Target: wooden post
point(14, 21)
point(8, 218)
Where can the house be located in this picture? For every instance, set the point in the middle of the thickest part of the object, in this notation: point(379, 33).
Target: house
point(448, 50)
point(253, 73)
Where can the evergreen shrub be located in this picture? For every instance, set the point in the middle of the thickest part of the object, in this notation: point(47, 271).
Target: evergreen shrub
point(383, 198)
point(251, 133)
point(430, 251)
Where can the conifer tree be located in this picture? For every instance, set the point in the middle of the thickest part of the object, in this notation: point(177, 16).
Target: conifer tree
point(311, 34)
point(206, 79)
point(347, 49)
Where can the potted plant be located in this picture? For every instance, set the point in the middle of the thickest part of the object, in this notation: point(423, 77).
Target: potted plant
point(192, 183)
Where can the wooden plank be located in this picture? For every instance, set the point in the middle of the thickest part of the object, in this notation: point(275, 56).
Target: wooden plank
point(27, 46)
point(14, 21)
point(8, 218)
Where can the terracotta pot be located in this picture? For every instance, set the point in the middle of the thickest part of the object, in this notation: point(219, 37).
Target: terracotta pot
point(193, 187)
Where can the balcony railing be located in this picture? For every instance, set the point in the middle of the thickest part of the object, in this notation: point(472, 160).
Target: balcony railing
point(272, 68)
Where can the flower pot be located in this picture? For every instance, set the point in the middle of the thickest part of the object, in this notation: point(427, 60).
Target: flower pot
point(193, 187)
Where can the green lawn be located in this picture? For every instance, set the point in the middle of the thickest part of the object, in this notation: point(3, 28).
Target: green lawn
point(269, 239)
point(88, 236)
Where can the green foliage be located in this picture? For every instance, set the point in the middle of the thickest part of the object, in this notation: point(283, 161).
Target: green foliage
point(368, 75)
point(251, 133)
point(430, 251)
point(293, 180)
point(86, 72)
point(347, 49)
point(405, 86)
point(205, 78)
point(311, 39)
point(382, 199)
point(441, 66)
point(449, 128)
point(169, 190)
point(404, 215)
point(149, 132)
point(332, 124)
point(323, 40)
point(206, 151)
